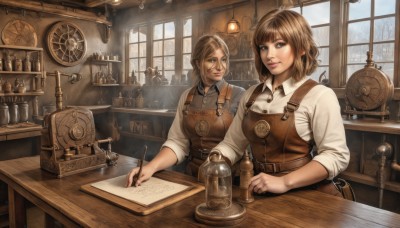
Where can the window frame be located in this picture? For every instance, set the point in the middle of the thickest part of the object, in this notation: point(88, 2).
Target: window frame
point(149, 43)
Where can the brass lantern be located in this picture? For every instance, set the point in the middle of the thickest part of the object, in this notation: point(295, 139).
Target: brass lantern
point(219, 208)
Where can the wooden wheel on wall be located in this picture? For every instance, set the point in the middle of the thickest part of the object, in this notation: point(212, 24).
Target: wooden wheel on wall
point(19, 33)
point(66, 43)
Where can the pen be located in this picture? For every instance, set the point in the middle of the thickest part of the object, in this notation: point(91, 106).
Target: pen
point(140, 164)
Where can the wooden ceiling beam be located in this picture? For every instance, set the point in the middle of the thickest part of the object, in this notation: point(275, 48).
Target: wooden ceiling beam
point(57, 10)
point(95, 3)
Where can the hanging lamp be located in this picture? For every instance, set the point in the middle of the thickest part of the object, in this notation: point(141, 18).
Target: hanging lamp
point(233, 25)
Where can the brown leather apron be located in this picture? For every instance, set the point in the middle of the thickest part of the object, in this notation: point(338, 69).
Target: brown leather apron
point(276, 146)
point(205, 128)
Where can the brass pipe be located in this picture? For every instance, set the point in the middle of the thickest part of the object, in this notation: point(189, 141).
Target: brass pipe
point(384, 151)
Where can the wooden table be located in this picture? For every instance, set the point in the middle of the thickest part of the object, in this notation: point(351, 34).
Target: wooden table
point(62, 200)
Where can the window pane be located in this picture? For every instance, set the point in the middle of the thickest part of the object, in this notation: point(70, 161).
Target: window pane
point(168, 75)
point(169, 63)
point(142, 50)
point(141, 78)
point(318, 72)
point(133, 50)
point(158, 32)
point(361, 9)
point(388, 69)
point(313, 18)
point(186, 62)
point(353, 68)
point(142, 64)
point(323, 56)
point(357, 54)
point(133, 65)
point(187, 27)
point(384, 29)
point(383, 7)
point(321, 35)
point(187, 45)
point(157, 62)
point(133, 35)
point(142, 34)
point(383, 52)
point(358, 32)
point(169, 30)
point(157, 48)
point(169, 47)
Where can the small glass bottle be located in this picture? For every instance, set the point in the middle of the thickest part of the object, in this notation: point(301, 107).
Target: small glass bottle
point(27, 63)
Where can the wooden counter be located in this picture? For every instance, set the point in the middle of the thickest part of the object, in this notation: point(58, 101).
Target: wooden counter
point(62, 200)
point(20, 131)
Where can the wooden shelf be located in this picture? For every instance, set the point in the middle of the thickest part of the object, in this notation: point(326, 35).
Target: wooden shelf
point(95, 61)
point(24, 48)
point(31, 93)
point(144, 137)
point(20, 72)
point(369, 180)
point(19, 131)
point(373, 125)
point(105, 85)
point(146, 111)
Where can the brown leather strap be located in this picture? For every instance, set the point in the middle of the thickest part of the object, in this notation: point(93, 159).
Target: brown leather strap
point(201, 154)
point(254, 95)
point(298, 95)
point(224, 95)
point(281, 167)
point(190, 96)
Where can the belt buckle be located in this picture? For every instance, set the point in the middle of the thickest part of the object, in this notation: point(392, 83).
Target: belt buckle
point(273, 166)
point(202, 153)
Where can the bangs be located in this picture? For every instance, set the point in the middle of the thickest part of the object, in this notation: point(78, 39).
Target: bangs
point(270, 33)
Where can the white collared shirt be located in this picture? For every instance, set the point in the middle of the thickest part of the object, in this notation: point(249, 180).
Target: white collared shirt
point(318, 118)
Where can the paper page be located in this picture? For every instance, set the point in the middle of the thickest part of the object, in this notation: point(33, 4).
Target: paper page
point(151, 191)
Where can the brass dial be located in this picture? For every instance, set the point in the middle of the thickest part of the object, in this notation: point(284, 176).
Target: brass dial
point(66, 43)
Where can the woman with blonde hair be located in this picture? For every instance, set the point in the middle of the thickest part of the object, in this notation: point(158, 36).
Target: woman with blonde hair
point(204, 112)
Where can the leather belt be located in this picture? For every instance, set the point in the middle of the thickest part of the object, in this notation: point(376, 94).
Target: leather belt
point(199, 154)
point(282, 166)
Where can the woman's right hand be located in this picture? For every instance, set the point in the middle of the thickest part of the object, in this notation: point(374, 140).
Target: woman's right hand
point(146, 173)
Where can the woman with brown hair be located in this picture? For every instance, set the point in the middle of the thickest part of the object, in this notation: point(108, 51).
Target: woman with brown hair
point(288, 114)
point(204, 112)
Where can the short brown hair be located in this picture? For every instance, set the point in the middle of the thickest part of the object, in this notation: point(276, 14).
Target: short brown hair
point(205, 47)
point(293, 29)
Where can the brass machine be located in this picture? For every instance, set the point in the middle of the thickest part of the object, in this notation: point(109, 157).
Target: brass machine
point(68, 140)
point(368, 91)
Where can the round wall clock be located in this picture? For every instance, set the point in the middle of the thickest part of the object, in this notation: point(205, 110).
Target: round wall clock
point(66, 43)
point(19, 33)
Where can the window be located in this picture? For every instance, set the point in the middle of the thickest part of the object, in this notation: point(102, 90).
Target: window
point(187, 45)
point(371, 27)
point(164, 48)
point(137, 52)
point(319, 23)
point(166, 39)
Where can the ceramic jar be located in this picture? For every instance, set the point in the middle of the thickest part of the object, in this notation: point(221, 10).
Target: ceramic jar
point(4, 114)
point(23, 111)
point(14, 113)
